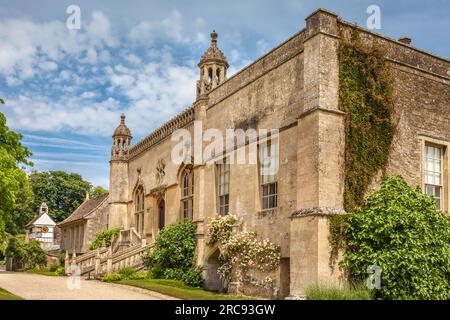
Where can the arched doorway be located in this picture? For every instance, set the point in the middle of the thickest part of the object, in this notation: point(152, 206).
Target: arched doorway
point(161, 214)
point(212, 280)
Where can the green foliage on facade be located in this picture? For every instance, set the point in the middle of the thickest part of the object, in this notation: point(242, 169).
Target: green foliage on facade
point(104, 237)
point(336, 237)
point(400, 231)
point(366, 96)
point(173, 255)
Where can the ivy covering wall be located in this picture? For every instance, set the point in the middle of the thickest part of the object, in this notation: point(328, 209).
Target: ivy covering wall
point(366, 96)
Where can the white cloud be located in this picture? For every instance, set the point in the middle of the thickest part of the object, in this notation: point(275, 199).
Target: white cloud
point(48, 66)
point(56, 142)
point(133, 59)
point(141, 34)
point(92, 76)
point(27, 48)
point(88, 95)
point(173, 25)
point(155, 92)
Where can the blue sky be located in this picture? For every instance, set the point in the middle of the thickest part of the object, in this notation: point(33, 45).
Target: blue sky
point(65, 89)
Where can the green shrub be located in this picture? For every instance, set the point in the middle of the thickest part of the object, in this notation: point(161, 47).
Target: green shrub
point(155, 272)
point(193, 277)
point(127, 272)
point(172, 257)
point(333, 292)
point(112, 277)
point(53, 267)
point(62, 258)
point(138, 276)
point(25, 255)
point(59, 271)
point(36, 255)
point(400, 231)
point(104, 236)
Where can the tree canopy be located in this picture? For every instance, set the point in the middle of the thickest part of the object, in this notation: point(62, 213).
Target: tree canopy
point(13, 178)
point(62, 192)
point(97, 192)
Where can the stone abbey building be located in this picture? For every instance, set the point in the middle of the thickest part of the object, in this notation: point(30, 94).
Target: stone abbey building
point(293, 88)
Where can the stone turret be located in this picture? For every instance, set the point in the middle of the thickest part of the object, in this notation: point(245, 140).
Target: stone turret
point(121, 141)
point(213, 67)
point(118, 176)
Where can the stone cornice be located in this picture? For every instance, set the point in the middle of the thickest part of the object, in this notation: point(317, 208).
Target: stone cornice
point(317, 211)
point(320, 109)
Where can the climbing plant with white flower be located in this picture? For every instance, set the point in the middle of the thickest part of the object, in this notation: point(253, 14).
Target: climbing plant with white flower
point(241, 252)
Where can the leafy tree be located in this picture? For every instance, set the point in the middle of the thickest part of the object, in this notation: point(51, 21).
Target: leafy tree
point(62, 192)
point(400, 231)
point(97, 192)
point(12, 177)
point(22, 212)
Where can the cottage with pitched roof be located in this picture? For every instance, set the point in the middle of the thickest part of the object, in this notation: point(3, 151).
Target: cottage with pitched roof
point(43, 229)
point(80, 228)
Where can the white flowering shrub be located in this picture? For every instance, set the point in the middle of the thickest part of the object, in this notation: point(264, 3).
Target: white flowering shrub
point(241, 252)
point(220, 229)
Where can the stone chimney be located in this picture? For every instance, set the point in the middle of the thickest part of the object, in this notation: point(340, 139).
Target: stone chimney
point(405, 40)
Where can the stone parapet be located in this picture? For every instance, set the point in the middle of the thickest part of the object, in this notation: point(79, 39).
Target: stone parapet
point(178, 122)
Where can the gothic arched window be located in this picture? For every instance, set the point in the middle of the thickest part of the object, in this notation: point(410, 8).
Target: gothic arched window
point(139, 206)
point(187, 193)
point(218, 76)
point(210, 75)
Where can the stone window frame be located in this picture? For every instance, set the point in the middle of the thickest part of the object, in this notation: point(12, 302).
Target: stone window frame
point(445, 167)
point(223, 199)
point(187, 193)
point(268, 189)
point(139, 209)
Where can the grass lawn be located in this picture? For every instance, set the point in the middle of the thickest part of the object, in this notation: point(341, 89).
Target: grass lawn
point(44, 272)
point(5, 295)
point(330, 292)
point(178, 289)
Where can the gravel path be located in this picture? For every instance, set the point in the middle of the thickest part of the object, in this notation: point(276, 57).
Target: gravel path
point(40, 287)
